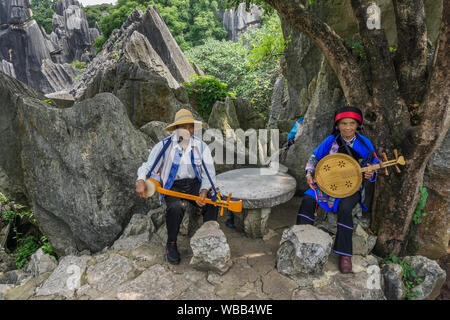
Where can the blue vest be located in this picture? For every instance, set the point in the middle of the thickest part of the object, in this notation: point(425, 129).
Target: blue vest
point(367, 152)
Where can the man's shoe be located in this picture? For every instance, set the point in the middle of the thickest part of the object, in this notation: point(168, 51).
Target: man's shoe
point(172, 254)
point(345, 264)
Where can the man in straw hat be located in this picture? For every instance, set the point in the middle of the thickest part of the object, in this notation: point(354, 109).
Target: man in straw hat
point(182, 163)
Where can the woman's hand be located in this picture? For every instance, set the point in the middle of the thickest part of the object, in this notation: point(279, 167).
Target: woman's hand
point(368, 174)
point(203, 194)
point(310, 180)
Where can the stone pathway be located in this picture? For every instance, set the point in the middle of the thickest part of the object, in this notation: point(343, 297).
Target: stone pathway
point(143, 273)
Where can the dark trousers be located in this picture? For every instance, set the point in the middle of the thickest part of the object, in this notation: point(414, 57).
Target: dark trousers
point(343, 241)
point(176, 208)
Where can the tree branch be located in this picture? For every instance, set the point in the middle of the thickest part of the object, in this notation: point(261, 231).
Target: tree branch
point(341, 60)
point(411, 56)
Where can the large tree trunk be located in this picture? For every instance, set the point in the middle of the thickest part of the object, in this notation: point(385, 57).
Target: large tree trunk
point(394, 212)
point(385, 101)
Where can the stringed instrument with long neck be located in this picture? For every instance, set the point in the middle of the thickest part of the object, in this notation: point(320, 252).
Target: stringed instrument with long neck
point(154, 186)
point(340, 175)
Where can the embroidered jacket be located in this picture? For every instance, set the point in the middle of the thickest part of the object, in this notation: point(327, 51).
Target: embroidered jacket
point(330, 146)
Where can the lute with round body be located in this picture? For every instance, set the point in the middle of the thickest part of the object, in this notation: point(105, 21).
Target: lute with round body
point(340, 175)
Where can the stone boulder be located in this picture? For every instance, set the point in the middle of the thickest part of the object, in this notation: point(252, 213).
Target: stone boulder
point(138, 232)
point(7, 262)
point(81, 176)
point(394, 289)
point(11, 173)
point(210, 249)
point(41, 263)
point(432, 275)
point(66, 278)
point(156, 130)
point(223, 116)
point(303, 249)
point(247, 116)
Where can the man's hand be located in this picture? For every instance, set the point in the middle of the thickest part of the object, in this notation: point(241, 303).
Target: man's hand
point(141, 188)
point(203, 194)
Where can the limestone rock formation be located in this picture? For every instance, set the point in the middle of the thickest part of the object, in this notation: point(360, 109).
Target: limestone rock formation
point(71, 36)
point(239, 21)
point(143, 66)
point(39, 60)
point(79, 167)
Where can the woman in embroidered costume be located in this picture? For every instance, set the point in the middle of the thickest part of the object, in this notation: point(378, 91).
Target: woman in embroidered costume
point(344, 139)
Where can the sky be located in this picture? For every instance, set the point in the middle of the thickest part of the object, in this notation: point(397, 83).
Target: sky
point(92, 2)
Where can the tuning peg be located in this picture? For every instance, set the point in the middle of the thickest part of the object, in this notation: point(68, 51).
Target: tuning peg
point(395, 154)
point(385, 159)
point(397, 168)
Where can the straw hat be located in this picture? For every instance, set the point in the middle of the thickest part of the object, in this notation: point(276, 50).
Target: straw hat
point(183, 116)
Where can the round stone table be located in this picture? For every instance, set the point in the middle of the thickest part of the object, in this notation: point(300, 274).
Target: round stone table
point(260, 189)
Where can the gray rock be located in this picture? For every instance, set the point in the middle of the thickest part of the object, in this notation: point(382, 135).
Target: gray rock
point(238, 21)
point(394, 289)
point(156, 130)
point(40, 263)
point(7, 262)
point(210, 249)
point(129, 67)
point(137, 233)
point(247, 116)
point(110, 273)
point(7, 68)
point(303, 249)
point(15, 11)
point(223, 116)
point(432, 274)
point(91, 153)
point(14, 277)
point(66, 278)
point(362, 242)
point(156, 283)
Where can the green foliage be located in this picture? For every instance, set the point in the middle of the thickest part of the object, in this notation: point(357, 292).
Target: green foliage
point(118, 16)
point(410, 278)
point(206, 90)
point(247, 69)
point(267, 43)
point(357, 47)
point(43, 11)
point(191, 22)
point(95, 12)
point(26, 248)
point(79, 65)
point(419, 214)
point(46, 247)
point(3, 198)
